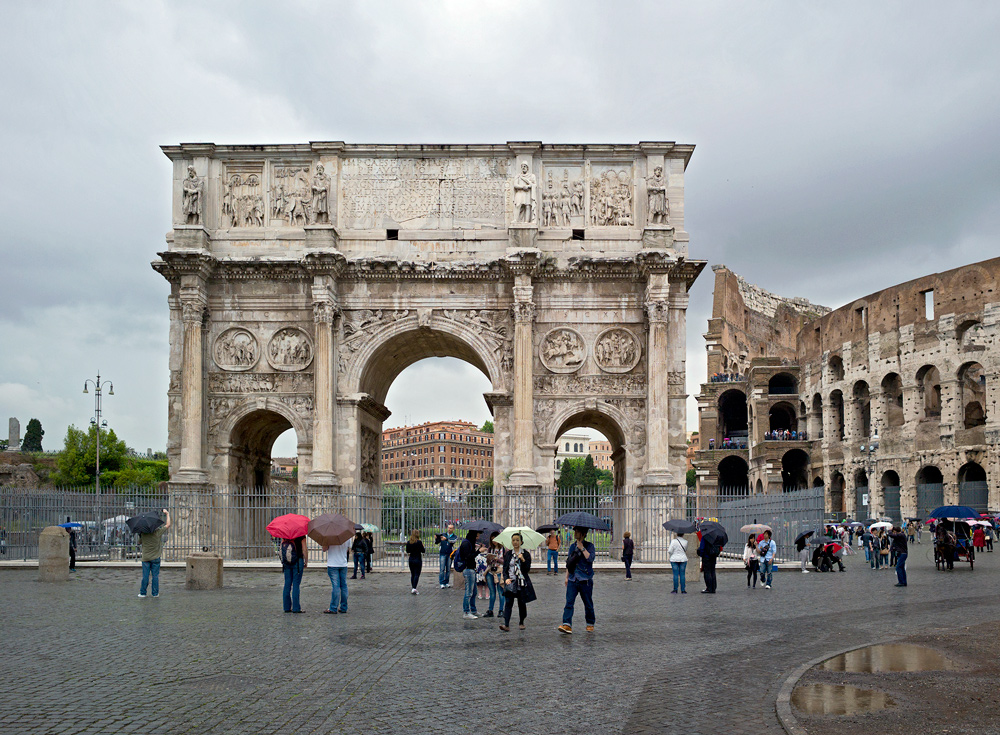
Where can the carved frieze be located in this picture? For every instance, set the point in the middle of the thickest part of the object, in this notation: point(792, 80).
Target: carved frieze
point(218, 409)
point(563, 197)
point(291, 194)
point(243, 199)
point(545, 409)
point(369, 456)
point(634, 410)
point(192, 195)
point(611, 197)
point(419, 193)
point(617, 350)
point(606, 385)
point(563, 350)
point(493, 326)
point(236, 349)
point(260, 383)
point(289, 350)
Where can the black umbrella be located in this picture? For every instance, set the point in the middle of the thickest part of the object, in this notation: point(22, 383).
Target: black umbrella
point(713, 534)
point(804, 534)
point(547, 527)
point(679, 526)
point(144, 522)
point(869, 521)
point(914, 519)
point(481, 526)
point(579, 519)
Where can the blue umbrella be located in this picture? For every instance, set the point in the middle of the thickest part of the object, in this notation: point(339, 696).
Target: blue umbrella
point(73, 524)
point(954, 511)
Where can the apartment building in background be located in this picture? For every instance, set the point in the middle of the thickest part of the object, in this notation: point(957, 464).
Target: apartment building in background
point(439, 456)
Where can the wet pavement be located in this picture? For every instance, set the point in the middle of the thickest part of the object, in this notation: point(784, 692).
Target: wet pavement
point(89, 657)
point(838, 699)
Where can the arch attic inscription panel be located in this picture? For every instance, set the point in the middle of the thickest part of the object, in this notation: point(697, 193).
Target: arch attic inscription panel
point(304, 278)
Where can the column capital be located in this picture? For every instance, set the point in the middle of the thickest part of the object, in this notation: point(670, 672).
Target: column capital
point(193, 307)
point(325, 312)
point(657, 310)
point(523, 311)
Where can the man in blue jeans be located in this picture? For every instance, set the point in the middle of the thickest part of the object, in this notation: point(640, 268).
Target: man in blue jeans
point(152, 547)
point(336, 570)
point(765, 549)
point(447, 541)
point(901, 551)
point(467, 553)
point(552, 544)
point(580, 581)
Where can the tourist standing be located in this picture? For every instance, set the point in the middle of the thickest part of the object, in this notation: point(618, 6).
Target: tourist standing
point(978, 539)
point(628, 548)
point(467, 555)
point(446, 542)
point(494, 575)
point(900, 552)
point(552, 545)
point(517, 582)
point(579, 581)
point(871, 547)
point(709, 554)
point(152, 547)
point(72, 546)
point(336, 570)
point(677, 555)
point(765, 550)
point(358, 548)
point(294, 558)
point(800, 546)
point(482, 570)
point(988, 533)
point(751, 561)
point(415, 551)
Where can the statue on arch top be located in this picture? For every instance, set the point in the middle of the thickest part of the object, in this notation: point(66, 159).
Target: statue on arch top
point(192, 194)
point(524, 195)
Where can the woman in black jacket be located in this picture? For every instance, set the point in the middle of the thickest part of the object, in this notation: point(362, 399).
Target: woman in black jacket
point(517, 582)
point(415, 550)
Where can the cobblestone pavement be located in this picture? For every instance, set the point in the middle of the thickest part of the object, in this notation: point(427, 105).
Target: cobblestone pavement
point(89, 657)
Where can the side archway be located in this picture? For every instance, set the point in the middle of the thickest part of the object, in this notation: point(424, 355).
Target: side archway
point(794, 470)
point(734, 474)
point(605, 419)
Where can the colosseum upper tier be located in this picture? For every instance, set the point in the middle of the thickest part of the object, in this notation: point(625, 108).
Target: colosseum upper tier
point(888, 402)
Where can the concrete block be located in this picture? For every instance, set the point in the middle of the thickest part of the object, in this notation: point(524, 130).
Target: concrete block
point(204, 571)
point(53, 555)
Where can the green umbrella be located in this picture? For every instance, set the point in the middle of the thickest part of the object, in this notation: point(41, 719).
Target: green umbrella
point(530, 538)
point(369, 528)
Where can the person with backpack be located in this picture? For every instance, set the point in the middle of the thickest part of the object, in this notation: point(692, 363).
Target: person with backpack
point(358, 547)
point(579, 581)
point(336, 569)
point(709, 553)
point(446, 542)
point(465, 562)
point(765, 550)
point(294, 558)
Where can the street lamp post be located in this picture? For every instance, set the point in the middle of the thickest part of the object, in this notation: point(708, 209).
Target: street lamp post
point(96, 421)
point(868, 452)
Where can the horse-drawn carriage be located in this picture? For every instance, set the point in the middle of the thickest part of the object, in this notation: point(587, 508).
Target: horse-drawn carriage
point(953, 543)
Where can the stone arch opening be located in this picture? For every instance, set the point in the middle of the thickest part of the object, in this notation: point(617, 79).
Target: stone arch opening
point(782, 384)
point(863, 407)
point(892, 395)
point(973, 489)
point(794, 470)
point(734, 476)
point(815, 420)
point(251, 441)
point(609, 427)
point(836, 367)
point(929, 390)
point(836, 493)
point(930, 490)
point(972, 394)
point(782, 417)
point(732, 415)
point(758, 487)
point(890, 495)
point(818, 481)
point(837, 414)
point(969, 334)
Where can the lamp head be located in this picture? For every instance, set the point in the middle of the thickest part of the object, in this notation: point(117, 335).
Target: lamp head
point(85, 387)
point(112, 391)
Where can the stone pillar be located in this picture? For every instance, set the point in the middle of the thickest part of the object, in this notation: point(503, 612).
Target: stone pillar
point(325, 315)
point(13, 435)
point(677, 381)
point(658, 355)
point(204, 571)
point(53, 555)
point(952, 413)
point(879, 411)
point(193, 306)
point(524, 429)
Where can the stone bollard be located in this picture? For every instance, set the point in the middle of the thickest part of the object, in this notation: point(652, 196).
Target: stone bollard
point(204, 571)
point(693, 571)
point(53, 555)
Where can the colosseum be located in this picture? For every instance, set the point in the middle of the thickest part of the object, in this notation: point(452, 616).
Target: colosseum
point(888, 402)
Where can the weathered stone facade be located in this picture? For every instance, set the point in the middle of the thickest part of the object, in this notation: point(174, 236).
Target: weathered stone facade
point(305, 278)
point(893, 397)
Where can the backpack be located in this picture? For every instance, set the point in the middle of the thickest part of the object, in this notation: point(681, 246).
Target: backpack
point(290, 552)
point(458, 563)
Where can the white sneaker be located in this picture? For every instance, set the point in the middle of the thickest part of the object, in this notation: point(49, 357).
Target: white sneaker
point(767, 586)
point(416, 592)
point(413, 591)
point(443, 586)
point(140, 595)
point(805, 571)
point(470, 616)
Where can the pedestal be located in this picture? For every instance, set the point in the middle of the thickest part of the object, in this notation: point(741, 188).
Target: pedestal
point(204, 571)
point(53, 555)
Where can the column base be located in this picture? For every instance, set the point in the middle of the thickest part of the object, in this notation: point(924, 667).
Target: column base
point(192, 237)
point(522, 236)
point(523, 479)
point(323, 238)
point(658, 237)
point(320, 481)
point(659, 477)
point(190, 477)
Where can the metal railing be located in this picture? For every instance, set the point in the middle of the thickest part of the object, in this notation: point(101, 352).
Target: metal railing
point(232, 520)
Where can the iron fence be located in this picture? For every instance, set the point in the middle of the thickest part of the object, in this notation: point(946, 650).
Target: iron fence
point(232, 520)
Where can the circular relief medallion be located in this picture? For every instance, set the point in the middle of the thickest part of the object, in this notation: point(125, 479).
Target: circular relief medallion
point(563, 350)
point(289, 350)
point(617, 350)
point(236, 349)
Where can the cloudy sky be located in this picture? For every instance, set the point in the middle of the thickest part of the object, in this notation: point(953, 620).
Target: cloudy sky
point(842, 148)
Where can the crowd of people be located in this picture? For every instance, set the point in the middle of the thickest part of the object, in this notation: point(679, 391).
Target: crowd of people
point(784, 435)
point(726, 378)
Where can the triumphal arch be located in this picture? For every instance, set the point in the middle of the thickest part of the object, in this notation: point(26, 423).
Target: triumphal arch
point(305, 278)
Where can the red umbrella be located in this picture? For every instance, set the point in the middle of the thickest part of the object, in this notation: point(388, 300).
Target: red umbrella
point(288, 526)
point(834, 548)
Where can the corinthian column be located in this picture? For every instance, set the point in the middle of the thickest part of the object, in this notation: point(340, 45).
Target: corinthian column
point(524, 317)
point(325, 314)
point(658, 394)
point(193, 305)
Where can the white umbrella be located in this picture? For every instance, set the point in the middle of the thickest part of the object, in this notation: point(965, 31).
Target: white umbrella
point(880, 524)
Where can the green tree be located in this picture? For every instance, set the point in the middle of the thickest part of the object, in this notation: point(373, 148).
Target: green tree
point(691, 478)
point(422, 509)
point(569, 472)
point(487, 427)
point(588, 473)
point(571, 492)
point(3, 445)
point(78, 461)
point(33, 437)
point(480, 500)
point(605, 479)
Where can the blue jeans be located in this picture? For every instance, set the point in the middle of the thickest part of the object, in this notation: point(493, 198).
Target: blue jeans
point(868, 555)
point(359, 561)
point(876, 559)
point(552, 561)
point(338, 578)
point(495, 592)
point(680, 571)
point(469, 601)
point(901, 568)
point(586, 592)
point(444, 569)
point(150, 568)
point(766, 570)
point(293, 576)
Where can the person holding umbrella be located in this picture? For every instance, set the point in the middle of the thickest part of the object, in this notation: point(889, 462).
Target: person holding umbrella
point(358, 547)
point(579, 581)
point(800, 545)
point(713, 538)
point(516, 578)
point(765, 550)
point(334, 533)
point(151, 542)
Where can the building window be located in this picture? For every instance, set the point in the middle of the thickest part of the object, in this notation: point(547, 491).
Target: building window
point(929, 304)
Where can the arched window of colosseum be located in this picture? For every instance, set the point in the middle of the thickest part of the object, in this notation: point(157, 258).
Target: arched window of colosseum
point(794, 470)
point(734, 476)
point(837, 408)
point(781, 417)
point(782, 384)
point(929, 389)
point(970, 335)
point(815, 423)
point(817, 481)
point(972, 392)
point(892, 395)
point(973, 489)
point(732, 416)
point(837, 493)
point(863, 406)
point(836, 366)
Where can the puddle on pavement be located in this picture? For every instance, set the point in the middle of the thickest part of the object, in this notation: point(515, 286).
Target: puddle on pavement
point(889, 658)
point(838, 699)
